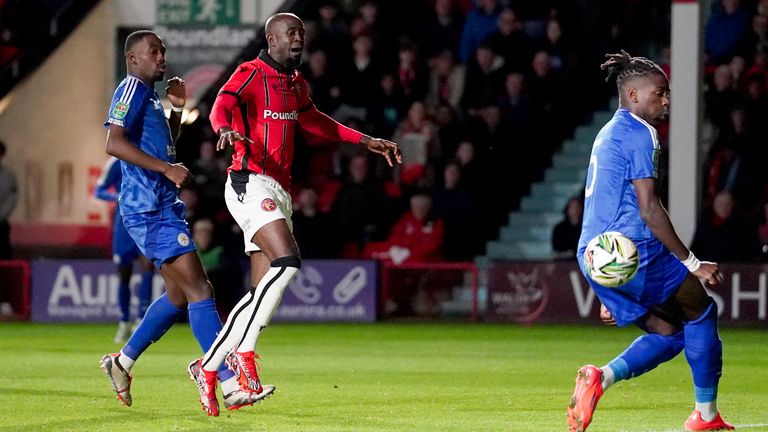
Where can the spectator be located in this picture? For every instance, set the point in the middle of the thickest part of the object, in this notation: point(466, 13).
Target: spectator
point(757, 37)
point(442, 32)
point(481, 21)
point(756, 105)
point(498, 152)
point(311, 228)
point(737, 67)
point(446, 82)
point(331, 34)
point(387, 107)
point(722, 235)
point(8, 198)
point(412, 76)
point(725, 172)
point(450, 132)
point(725, 30)
point(510, 42)
point(565, 235)
point(547, 87)
point(361, 74)
point(384, 40)
point(473, 173)
point(721, 98)
point(323, 85)
point(760, 65)
point(360, 209)
point(454, 204)
point(417, 136)
point(556, 46)
point(517, 109)
point(416, 237)
point(482, 84)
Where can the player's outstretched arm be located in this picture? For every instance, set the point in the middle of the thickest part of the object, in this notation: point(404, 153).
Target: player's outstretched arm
point(318, 123)
point(656, 217)
point(119, 147)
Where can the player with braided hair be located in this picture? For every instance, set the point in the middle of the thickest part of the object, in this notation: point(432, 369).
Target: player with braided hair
point(665, 299)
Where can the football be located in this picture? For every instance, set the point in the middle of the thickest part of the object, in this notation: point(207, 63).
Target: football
point(611, 259)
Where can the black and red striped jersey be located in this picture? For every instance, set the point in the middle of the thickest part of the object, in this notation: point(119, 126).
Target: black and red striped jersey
point(265, 101)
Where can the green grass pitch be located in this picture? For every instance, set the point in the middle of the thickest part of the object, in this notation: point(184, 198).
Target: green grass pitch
point(379, 377)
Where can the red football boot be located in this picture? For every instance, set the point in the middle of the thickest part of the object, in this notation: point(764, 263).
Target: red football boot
point(588, 390)
point(696, 423)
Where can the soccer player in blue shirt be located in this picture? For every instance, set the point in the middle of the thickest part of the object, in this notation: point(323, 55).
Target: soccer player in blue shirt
point(124, 253)
point(144, 140)
point(665, 298)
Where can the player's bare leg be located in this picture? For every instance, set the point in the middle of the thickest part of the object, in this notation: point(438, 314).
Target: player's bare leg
point(187, 273)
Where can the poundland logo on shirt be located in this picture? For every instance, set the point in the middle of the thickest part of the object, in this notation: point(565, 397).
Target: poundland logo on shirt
point(274, 115)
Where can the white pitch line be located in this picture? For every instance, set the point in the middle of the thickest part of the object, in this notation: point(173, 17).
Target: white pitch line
point(738, 427)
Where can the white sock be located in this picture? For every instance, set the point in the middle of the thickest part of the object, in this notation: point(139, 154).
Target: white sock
point(125, 361)
point(608, 377)
point(266, 296)
point(229, 335)
point(708, 410)
point(229, 385)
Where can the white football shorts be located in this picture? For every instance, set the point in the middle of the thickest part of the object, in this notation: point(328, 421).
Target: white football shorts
point(260, 202)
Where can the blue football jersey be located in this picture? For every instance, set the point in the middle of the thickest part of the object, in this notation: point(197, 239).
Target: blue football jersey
point(626, 148)
point(137, 108)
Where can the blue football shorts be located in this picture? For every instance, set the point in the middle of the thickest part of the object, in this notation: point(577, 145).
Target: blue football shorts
point(161, 234)
point(658, 277)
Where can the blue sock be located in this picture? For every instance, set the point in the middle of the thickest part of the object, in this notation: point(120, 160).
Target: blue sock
point(645, 353)
point(206, 325)
point(704, 352)
point(124, 301)
point(705, 394)
point(145, 292)
point(160, 316)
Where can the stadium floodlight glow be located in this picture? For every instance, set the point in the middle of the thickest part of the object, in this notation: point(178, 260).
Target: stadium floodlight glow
point(189, 116)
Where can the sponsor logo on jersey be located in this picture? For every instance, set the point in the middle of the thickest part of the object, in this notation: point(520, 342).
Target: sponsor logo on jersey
point(275, 115)
point(120, 110)
point(268, 205)
point(183, 239)
point(157, 104)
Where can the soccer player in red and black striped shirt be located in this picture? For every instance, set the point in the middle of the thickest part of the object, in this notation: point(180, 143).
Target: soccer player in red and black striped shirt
point(257, 111)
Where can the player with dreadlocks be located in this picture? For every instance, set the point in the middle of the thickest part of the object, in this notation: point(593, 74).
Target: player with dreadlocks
point(665, 299)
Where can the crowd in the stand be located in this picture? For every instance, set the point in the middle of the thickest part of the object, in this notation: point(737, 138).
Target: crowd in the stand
point(477, 94)
point(733, 224)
